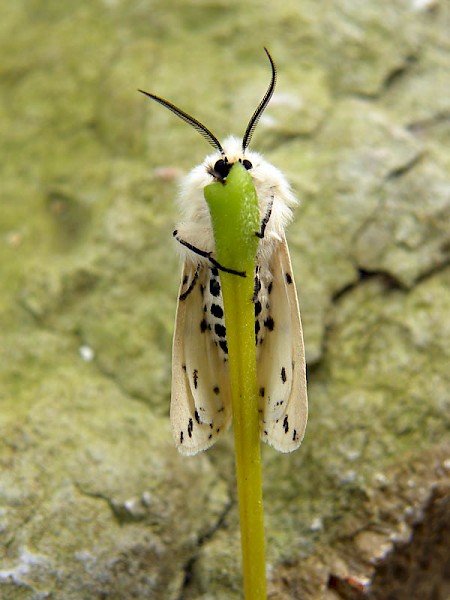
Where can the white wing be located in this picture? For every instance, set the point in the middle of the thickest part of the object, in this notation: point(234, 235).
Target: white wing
point(281, 365)
point(200, 408)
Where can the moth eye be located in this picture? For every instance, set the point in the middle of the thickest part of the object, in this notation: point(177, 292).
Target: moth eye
point(222, 168)
point(247, 164)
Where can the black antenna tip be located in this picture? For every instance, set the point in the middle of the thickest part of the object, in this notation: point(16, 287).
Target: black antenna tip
point(262, 105)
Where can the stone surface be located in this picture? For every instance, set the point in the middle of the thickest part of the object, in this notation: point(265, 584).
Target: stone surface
point(94, 500)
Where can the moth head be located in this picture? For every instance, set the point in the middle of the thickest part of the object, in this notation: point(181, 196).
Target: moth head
point(221, 167)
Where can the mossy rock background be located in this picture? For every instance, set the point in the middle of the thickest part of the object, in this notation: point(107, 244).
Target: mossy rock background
point(94, 500)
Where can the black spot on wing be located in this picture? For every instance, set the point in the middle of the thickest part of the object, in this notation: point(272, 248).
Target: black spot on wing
point(262, 392)
point(288, 278)
point(258, 308)
point(197, 418)
point(269, 323)
point(195, 378)
point(283, 374)
point(181, 437)
point(214, 288)
point(217, 311)
point(223, 344)
point(269, 287)
point(190, 427)
point(220, 330)
point(257, 286)
point(285, 424)
point(203, 325)
point(216, 390)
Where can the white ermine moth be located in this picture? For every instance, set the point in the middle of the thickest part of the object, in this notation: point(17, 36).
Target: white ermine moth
point(200, 408)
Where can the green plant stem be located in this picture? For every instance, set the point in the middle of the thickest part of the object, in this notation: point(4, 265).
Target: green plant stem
point(242, 361)
point(235, 218)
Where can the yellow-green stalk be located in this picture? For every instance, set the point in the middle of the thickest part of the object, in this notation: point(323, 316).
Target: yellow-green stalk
point(234, 210)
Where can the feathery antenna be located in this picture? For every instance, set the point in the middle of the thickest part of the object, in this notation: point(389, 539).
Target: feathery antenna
point(203, 131)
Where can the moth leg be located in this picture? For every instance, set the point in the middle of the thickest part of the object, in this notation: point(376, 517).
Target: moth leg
point(207, 255)
point(191, 286)
point(264, 222)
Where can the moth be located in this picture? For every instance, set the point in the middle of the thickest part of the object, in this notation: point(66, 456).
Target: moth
point(200, 408)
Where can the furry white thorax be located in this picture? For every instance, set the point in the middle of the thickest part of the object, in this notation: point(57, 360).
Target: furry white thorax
point(269, 183)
